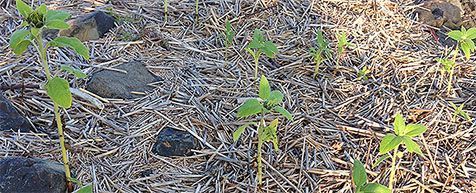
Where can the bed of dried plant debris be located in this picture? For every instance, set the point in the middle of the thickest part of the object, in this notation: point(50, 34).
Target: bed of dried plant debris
point(338, 118)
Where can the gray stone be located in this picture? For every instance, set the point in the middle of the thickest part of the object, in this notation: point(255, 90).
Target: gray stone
point(90, 27)
point(113, 84)
point(30, 175)
point(172, 142)
point(10, 119)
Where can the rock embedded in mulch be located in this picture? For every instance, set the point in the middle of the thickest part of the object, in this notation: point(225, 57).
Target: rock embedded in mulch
point(115, 84)
point(10, 119)
point(438, 13)
point(173, 142)
point(90, 27)
point(31, 175)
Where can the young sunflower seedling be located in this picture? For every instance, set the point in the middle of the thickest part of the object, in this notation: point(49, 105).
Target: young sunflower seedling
point(403, 134)
point(342, 44)
point(320, 53)
point(464, 41)
point(34, 22)
point(268, 102)
point(229, 35)
point(458, 111)
point(359, 179)
point(259, 45)
point(362, 74)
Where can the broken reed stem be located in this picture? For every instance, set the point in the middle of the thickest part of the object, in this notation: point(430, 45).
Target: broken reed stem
point(166, 4)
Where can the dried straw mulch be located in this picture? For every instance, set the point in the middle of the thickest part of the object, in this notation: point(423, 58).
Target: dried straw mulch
point(338, 118)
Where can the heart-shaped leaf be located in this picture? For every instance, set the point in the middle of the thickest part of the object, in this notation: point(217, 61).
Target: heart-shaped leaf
point(58, 90)
point(359, 175)
point(388, 143)
point(250, 107)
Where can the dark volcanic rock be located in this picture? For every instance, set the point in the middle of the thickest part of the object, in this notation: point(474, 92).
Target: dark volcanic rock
point(27, 175)
point(10, 119)
point(113, 84)
point(90, 27)
point(172, 142)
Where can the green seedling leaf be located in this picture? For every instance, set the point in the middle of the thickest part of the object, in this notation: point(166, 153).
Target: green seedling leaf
point(388, 143)
point(57, 15)
point(35, 31)
point(264, 88)
point(413, 130)
point(23, 8)
point(363, 73)
point(17, 37)
point(375, 188)
point(471, 33)
point(465, 115)
point(275, 98)
point(342, 42)
point(85, 189)
point(257, 41)
point(359, 175)
point(270, 134)
point(57, 24)
point(284, 112)
point(239, 131)
point(269, 49)
point(250, 107)
point(58, 90)
point(322, 43)
point(73, 43)
point(399, 124)
point(229, 34)
point(76, 181)
point(412, 146)
point(21, 47)
point(380, 160)
point(459, 111)
point(448, 65)
point(76, 72)
point(455, 34)
point(467, 46)
point(42, 9)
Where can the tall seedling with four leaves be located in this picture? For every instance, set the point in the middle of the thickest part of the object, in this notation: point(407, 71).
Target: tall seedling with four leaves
point(464, 39)
point(268, 102)
point(403, 135)
point(259, 45)
point(57, 88)
point(321, 53)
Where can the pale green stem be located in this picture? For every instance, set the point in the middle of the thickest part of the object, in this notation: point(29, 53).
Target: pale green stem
point(226, 60)
point(196, 8)
point(260, 169)
point(393, 169)
point(256, 65)
point(261, 125)
point(448, 91)
point(42, 50)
